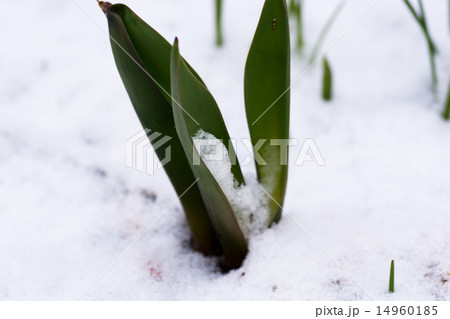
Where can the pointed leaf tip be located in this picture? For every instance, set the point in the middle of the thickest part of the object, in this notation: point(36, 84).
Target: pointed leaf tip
point(137, 48)
point(195, 101)
point(104, 5)
point(175, 45)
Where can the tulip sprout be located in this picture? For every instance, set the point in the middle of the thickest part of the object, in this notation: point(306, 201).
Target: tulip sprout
point(170, 98)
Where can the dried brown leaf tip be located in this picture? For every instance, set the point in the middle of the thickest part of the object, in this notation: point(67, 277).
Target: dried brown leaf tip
point(104, 5)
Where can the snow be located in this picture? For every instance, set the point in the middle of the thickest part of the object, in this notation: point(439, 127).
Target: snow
point(249, 200)
point(69, 206)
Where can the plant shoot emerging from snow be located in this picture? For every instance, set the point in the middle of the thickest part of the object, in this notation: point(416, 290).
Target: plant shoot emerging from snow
point(170, 97)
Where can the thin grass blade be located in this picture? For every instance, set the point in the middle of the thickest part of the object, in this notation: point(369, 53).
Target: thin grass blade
point(432, 48)
point(219, 34)
point(324, 32)
point(391, 278)
point(296, 10)
point(327, 80)
point(446, 114)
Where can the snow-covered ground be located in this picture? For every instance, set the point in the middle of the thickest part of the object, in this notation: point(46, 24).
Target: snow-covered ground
point(69, 206)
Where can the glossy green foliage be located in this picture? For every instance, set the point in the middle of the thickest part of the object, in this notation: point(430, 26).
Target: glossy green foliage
point(327, 80)
point(267, 98)
point(152, 48)
point(197, 101)
point(171, 99)
point(154, 110)
point(201, 111)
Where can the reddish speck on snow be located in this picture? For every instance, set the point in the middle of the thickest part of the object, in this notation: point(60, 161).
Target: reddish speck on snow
point(153, 270)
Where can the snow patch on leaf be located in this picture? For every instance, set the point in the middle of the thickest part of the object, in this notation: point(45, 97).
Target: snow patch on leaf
point(248, 201)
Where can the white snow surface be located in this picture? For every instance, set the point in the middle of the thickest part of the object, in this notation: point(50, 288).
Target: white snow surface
point(249, 201)
point(69, 206)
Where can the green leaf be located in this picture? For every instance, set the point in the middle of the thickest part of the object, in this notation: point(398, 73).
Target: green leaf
point(267, 98)
point(155, 53)
point(197, 101)
point(155, 111)
point(152, 48)
point(327, 80)
point(391, 278)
